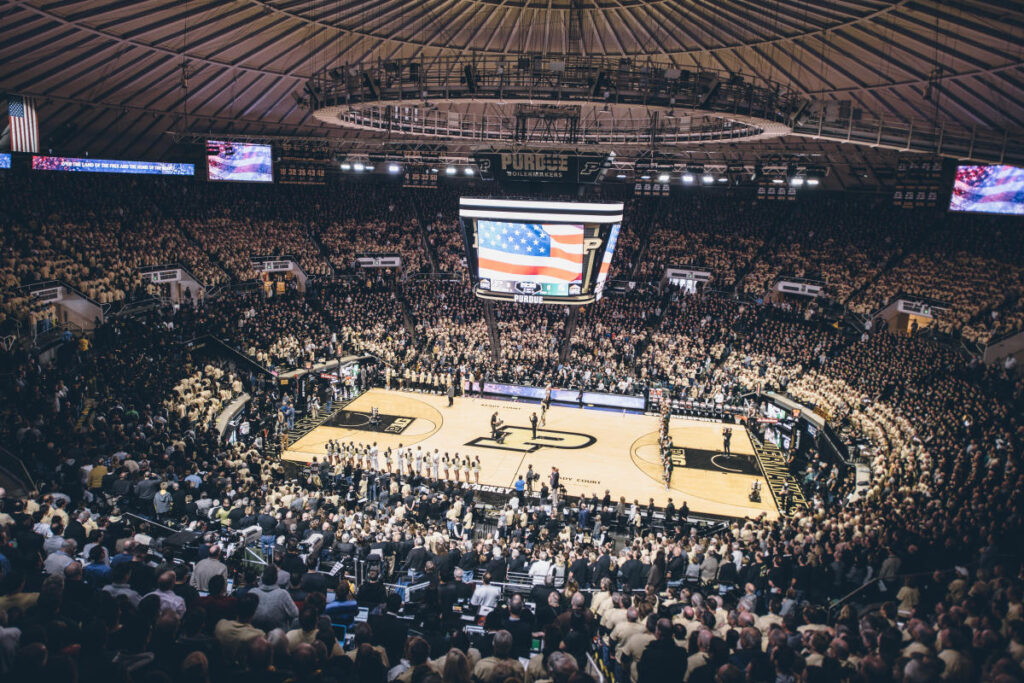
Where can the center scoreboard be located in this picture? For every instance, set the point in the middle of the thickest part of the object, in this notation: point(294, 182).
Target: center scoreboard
point(543, 252)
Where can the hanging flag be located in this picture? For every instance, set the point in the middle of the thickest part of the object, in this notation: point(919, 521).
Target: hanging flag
point(24, 125)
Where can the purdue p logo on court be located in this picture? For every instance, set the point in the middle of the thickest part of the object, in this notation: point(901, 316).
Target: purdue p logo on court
point(521, 440)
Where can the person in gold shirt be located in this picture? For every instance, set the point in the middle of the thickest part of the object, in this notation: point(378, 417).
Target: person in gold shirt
point(96, 474)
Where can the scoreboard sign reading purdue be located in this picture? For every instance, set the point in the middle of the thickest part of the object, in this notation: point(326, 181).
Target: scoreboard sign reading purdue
point(551, 165)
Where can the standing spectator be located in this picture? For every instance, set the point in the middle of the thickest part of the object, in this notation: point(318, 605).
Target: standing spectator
point(207, 568)
point(662, 660)
point(276, 608)
point(234, 635)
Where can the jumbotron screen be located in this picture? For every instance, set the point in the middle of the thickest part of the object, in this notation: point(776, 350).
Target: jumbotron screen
point(988, 189)
point(239, 161)
point(532, 251)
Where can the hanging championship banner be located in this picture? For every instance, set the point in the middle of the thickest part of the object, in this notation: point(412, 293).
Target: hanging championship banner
point(551, 165)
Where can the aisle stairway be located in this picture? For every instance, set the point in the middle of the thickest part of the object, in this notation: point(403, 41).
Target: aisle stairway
point(421, 221)
point(893, 261)
point(314, 237)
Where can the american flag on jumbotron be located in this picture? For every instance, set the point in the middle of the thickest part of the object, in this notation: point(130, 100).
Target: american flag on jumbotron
point(544, 253)
point(988, 189)
point(239, 161)
point(24, 125)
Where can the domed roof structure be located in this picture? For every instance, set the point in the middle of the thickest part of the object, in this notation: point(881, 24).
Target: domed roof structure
point(110, 76)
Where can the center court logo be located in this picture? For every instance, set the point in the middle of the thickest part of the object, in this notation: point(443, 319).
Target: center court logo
point(521, 440)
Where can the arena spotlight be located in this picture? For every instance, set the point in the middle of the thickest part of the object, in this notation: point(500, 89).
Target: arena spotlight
point(620, 176)
point(688, 178)
point(813, 182)
point(708, 179)
point(778, 181)
point(645, 177)
point(796, 181)
point(357, 166)
point(450, 170)
point(723, 179)
point(346, 167)
point(663, 178)
point(468, 170)
point(394, 168)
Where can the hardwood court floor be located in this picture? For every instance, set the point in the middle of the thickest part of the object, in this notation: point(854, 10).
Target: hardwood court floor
point(594, 450)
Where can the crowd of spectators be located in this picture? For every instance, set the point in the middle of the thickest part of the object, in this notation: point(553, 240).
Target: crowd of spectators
point(95, 232)
point(722, 234)
point(606, 339)
point(117, 436)
point(450, 325)
point(530, 338)
point(201, 396)
point(610, 583)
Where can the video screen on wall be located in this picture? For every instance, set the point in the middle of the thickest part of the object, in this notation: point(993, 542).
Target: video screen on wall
point(239, 161)
point(88, 165)
point(988, 189)
point(535, 251)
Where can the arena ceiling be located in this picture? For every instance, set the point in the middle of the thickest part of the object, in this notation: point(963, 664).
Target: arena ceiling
point(113, 76)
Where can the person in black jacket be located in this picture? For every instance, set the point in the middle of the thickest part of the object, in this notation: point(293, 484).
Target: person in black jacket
point(389, 631)
point(520, 625)
point(629, 572)
point(464, 589)
point(497, 565)
point(76, 530)
point(292, 561)
point(675, 571)
point(670, 516)
point(470, 560)
point(580, 570)
point(372, 592)
point(447, 593)
point(548, 611)
point(517, 563)
point(417, 558)
point(662, 660)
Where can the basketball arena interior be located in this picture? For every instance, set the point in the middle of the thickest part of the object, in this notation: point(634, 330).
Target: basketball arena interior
point(499, 341)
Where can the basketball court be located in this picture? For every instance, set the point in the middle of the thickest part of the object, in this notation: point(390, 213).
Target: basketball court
point(594, 450)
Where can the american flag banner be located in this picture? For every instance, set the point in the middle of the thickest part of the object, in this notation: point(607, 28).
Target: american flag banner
point(24, 125)
point(988, 189)
point(239, 161)
point(542, 253)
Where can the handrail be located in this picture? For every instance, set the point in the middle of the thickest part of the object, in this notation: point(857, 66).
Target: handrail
point(947, 140)
point(839, 602)
point(1003, 337)
point(795, 278)
point(6, 455)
